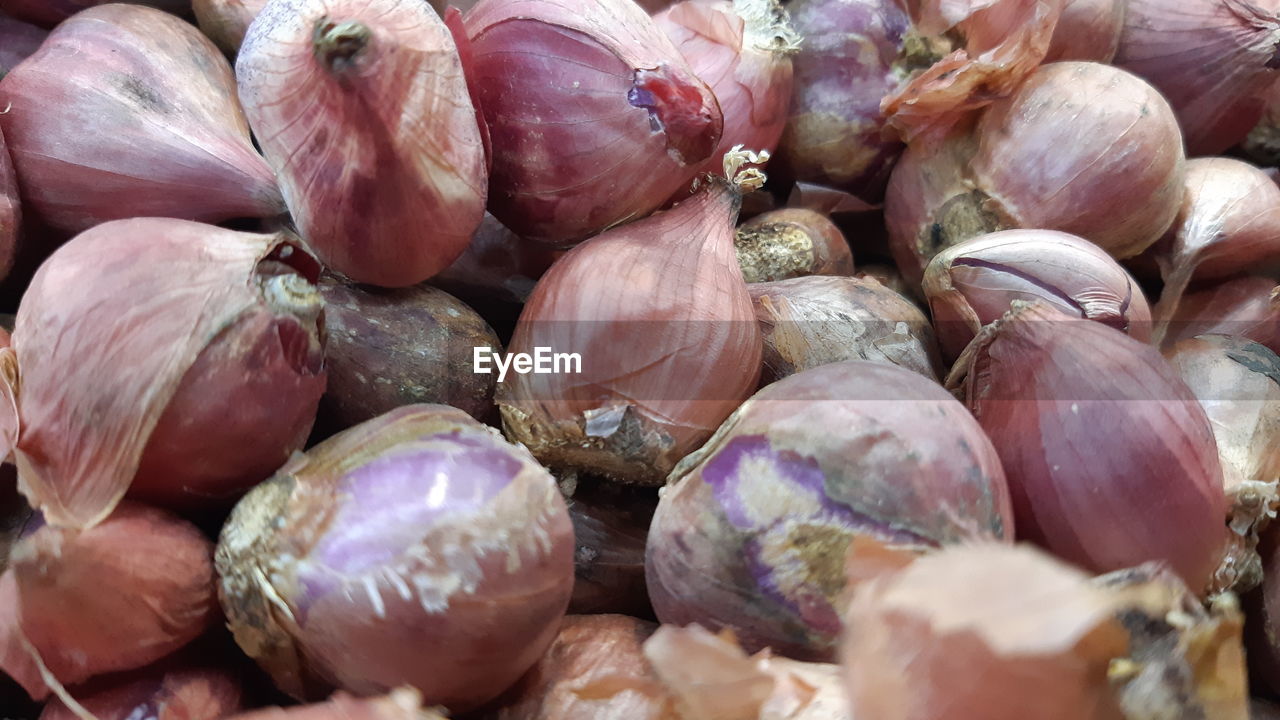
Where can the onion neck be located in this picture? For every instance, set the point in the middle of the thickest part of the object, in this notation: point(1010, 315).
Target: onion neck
point(339, 45)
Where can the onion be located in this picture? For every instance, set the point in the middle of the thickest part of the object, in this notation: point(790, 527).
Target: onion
point(226, 21)
point(10, 211)
point(420, 529)
point(183, 359)
point(126, 111)
point(18, 41)
point(1087, 30)
point(888, 276)
point(1110, 458)
point(812, 321)
point(662, 322)
point(1213, 60)
point(400, 704)
point(1262, 146)
point(595, 116)
point(497, 267)
point(377, 89)
point(742, 50)
point(791, 242)
point(1248, 307)
point(51, 12)
point(118, 596)
point(185, 693)
point(389, 348)
point(752, 531)
point(972, 284)
point(1115, 178)
point(610, 526)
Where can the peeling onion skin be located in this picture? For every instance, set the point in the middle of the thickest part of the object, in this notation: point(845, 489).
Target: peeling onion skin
point(791, 242)
point(10, 208)
point(1248, 307)
point(116, 597)
point(18, 41)
point(973, 283)
point(812, 321)
point(377, 90)
point(49, 13)
point(1213, 59)
point(226, 21)
point(659, 313)
point(610, 527)
point(752, 529)
point(203, 345)
point(1110, 458)
point(154, 694)
point(1087, 30)
point(389, 348)
point(400, 704)
point(167, 136)
point(362, 577)
point(606, 125)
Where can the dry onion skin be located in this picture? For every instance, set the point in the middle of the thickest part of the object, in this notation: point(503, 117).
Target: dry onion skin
point(751, 532)
point(1109, 456)
point(608, 123)
point(184, 693)
point(226, 21)
point(18, 41)
point(791, 242)
point(127, 111)
point(972, 284)
point(376, 89)
point(203, 346)
point(420, 529)
point(400, 704)
point(816, 320)
point(1213, 59)
point(1248, 307)
point(1087, 30)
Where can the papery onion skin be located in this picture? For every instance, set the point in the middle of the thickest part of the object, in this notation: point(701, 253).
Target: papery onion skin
point(226, 21)
point(18, 41)
point(202, 345)
point(156, 694)
point(165, 135)
point(389, 348)
point(418, 529)
point(1248, 307)
point(401, 704)
point(973, 283)
point(10, 210)
point(116, 597)
point(659, 313)
point(791, 242)
point(609, 123)
point(1213, 59)
point(812, 321)
point(1110, 458)
point(1087, 30)
point(51, 12)
point(376, 89)
point(610, 527)
point(752, 530)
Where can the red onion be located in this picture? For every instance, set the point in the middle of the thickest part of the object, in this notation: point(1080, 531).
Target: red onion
point(51, 12)
point(791, 242)
point(661, 320)
point(18, 41)
point(202, 346)
point(1110, 458)
point(226, 21)
point(159, 135)
point(115, 597)
point(497, 267)
point(375, 88)
point(752, 532)
point(1087, 30)
point(178, 694)
point(419, 529)
point(1213, 60)
point(389, 348)
point(1115, 177)
point(605, 122)
point(742, 50)
point(812, 321)
point(610, 526)
point(10, 211)
point(972, 284)
point(401, 704)
point(1248, 307)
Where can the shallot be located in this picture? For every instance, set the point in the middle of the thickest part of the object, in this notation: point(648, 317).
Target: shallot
point(51, 12)
point(791, 242)
point(610, 526)
point(1087, 30)
point(226, 21)
point(18, 41)
point(181, 693)
point(10, 210)
point(1248, 307)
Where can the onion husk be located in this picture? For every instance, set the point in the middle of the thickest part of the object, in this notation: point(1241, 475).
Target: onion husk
point(791, 242)
point(158, 693)
point(1087, 30)
point(399, 704)
point(226, 21)
point(610, 527)
point(18, 41)
point(49, 13)
point(127, 111)
point(1248, 307)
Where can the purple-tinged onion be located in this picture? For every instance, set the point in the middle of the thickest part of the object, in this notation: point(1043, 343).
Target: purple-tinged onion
point(418, 548)
point(792, 242)
point(1087, 30)
point(18, 41)
point(610, 527)
point(226, 21)
point(51, 12)
point(127, 111)
point(1248, 307)
point(400, 704)
point(752, 531)
point(595, 117)
point(1110, 458)
point(158, 693)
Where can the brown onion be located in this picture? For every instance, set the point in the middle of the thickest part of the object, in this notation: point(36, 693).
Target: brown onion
point(972, 284)
point(377, 90)
point(182, 359)
point(610, 527)
point(812, 321)
point(662, 322)
point(1110, 458)
point(417, 548)
point(389, 348)
point(18, 41)
point(51, 12)
point(791, 242)
point(400, 704)
point(126, 111)
point(226, 21)
point(1248, 307)
point(1213, 60)
point(1115, 177)
point(118, 596)
point(752, 530)
point(10, 210)
point(596, 118)
point(1087, 30)
point(183, 693)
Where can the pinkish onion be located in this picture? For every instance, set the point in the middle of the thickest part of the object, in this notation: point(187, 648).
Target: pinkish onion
point(1087, 30)
point(18, 41)
point(51, 12)
point(497, 267)
point(226, 21)
point(791, 242)
point(10, 210)
point(158, 693)
point(1248, 307)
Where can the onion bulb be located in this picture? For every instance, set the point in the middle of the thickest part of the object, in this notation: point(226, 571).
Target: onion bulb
point(10, 210)
point(1087, 30)
point(126, 111)
point(1248, 307)
point(595, 116)
point(51, 12)
point(18, 41)
point(226, 21)
point(610, 526)
point(203, 346)
point(363, 110)
point(400, 704)
point(791, 242)
point(418, 529)
point(496, 267)
point(1110, 458)
point(182, 693)
point(1262, 146)
point(752, 531)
